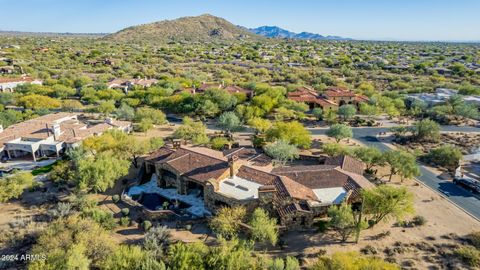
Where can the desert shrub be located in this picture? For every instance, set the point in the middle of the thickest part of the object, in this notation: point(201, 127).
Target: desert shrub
point(146, 225)
point(219, 143)
point(124, 221)
point(61, 210)
point(115, 198)
point(369, 250)
point(469, 255)
point(474, 239)
point(419, 221)
point(125, 212)
point(105, 219)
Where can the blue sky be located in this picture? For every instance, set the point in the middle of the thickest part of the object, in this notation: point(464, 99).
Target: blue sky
point(359, 19)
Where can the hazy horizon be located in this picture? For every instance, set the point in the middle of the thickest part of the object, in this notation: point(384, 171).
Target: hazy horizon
point(409, 20)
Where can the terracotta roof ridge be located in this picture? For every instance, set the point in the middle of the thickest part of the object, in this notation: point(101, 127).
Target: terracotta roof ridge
point(199, 153)
point(235, 151)
point(258, 155)
point(173, 159)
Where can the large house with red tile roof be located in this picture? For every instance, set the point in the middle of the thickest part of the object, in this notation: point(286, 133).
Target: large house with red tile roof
point(7, 85)
point(332, 98)
point(296, 195)
point(52, 134)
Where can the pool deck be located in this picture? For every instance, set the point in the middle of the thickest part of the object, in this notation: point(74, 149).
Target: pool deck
point(197, 207)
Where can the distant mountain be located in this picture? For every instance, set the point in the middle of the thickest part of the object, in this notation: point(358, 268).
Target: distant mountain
point(204, 28)
point(277, 32)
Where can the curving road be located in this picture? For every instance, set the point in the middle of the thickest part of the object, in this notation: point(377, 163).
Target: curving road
point(462, 198)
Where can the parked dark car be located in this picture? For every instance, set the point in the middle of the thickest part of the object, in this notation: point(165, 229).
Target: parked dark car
point(468, 183)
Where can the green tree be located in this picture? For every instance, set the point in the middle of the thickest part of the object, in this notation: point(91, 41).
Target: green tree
point(291, 132)
point(187, 256)
point(263, 228)
point(226, 222)
point(192, 130)
point(145, 125)
point(426, 130)
point(342, 220)
point(72, 242)
point(157, 117)
point(318, 113)
point(218, 143)
point(401, 163)
point(125, 112)
point(13, 186)
point(62, 91)
point(36, 102)
point(229, 121)
point(335, 149)
point(340, 132)
point(129, 257)
point(384, 202)
point(281, 151)
point(446, 155)
point(106, 107)
point(259, 124)
point(368, 110)
point(221, 98)
point(232, 254)
point(207, 108)
point(347, 111)
point(97, 173)
point(71, 105)
point(330, 116)
point(371, 156)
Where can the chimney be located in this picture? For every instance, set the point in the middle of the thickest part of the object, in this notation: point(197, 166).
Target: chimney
point(56, 131)
point(231, 164)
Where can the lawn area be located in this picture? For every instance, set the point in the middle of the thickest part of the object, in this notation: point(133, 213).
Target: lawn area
point(44, 169)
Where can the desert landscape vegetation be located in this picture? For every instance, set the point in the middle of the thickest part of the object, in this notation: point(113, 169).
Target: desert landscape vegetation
point(195, 143)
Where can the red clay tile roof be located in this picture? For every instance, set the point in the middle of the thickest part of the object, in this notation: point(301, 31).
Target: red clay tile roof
point(256, 176)
point(287, 187)
point(346, 163)
point(338, 92)
point(324, 176)
point(191, 164)
point(10, 80)
point(232, 89)
point(254, 156)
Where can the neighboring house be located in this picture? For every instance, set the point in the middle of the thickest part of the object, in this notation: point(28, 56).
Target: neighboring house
point(52, 134)
point(441, 96)
point(7, 85)
point(7, 69)
point(240, 177)
point(332, 98)
point(127, 84)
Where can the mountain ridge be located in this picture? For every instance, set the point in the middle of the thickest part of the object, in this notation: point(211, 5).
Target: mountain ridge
point(277, 32)
point(203, 28)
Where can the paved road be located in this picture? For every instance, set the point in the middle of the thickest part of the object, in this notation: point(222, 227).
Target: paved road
point(456, 194)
